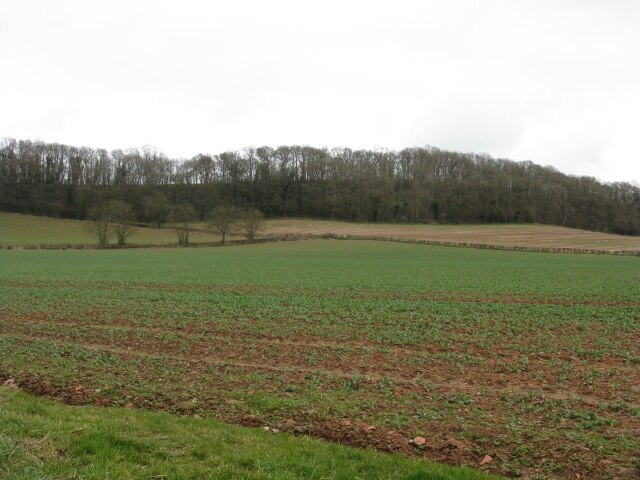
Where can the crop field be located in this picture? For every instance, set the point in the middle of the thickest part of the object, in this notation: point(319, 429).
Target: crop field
point(530, 359)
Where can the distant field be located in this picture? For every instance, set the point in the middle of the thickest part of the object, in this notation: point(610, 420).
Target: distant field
point(18, 229)
point(504, 235)
point(532, 359)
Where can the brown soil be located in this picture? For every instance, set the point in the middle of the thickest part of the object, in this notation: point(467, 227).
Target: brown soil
point(401, 365)
point(418, 371)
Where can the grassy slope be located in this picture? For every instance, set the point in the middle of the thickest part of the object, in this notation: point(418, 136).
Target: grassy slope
point(42, 439)
point(29, 230)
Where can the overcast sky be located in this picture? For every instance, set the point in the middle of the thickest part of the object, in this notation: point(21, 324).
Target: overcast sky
point(554, 82)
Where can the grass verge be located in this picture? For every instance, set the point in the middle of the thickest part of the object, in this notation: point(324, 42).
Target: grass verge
point(43, 439)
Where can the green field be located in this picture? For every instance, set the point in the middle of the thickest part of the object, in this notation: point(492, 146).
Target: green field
point(530, 358)
point(19, 230)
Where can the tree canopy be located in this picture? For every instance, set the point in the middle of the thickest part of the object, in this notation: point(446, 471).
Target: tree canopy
point(425, 185)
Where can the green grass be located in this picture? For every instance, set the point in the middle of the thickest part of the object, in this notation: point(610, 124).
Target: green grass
point(521, 356)
point(41, 439)
point(19, 230)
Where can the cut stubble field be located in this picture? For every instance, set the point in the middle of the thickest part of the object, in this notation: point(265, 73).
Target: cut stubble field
point(509, 236)
point(529, 358)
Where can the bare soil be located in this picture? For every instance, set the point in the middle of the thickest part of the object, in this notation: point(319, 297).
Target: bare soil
point(406, 368)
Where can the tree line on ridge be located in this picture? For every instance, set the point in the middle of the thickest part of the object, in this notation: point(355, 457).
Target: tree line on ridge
point(416, 185)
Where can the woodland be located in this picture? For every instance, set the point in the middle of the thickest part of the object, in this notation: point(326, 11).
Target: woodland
point(413, 185)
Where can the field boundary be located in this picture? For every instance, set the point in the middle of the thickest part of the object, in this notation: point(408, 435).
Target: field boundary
point(443, 243)
point(271, 238)
point(91, 246)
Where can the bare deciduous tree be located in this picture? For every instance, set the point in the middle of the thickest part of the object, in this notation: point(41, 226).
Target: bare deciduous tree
point(182, 217)
point(114, 217)
point(99, 225)
point(251, 222)
point(157, 208)
point(122, 217)
point(223, 219)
